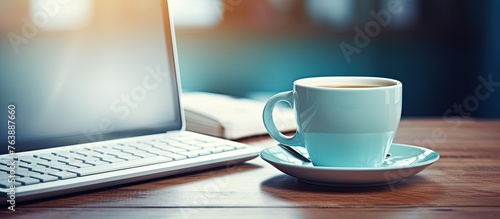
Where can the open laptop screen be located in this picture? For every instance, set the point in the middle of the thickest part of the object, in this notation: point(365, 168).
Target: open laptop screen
point(82, 71)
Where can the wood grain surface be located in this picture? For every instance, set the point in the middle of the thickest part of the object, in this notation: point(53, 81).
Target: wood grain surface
point(464, 183)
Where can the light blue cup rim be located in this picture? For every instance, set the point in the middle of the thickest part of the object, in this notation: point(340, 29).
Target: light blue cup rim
point(316, 82)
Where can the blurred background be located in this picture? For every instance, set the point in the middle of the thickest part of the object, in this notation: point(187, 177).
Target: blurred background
point(445, 52)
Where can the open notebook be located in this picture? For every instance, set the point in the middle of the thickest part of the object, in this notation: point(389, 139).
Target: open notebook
point(231, 117)
point(93, 100)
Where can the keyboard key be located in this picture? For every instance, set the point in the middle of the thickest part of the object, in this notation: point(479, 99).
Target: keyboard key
point(31, 160)
point(90, 160)
point(63, 154)
point(118, 166)
point(192, 148)
point(104, 156)
point(143, 154)
point(84, 152)
point(178, 144)
point(122, 151)
point(66, 162)
point(201, 152)
point(227, 148)
point(238, 146)
point(205, 139)
point(119, 148)
point(43, 170)
point(154, 153)
point(63, 175)
point(193, 142)
point(61, 166)
point(97, 162)
point(174, 149)
point(43, 163)
point(176, 156)
point(159, 152)
point(30, 166)
point(145, 149)
point(88, 151)
point(5, 160)
point(118, 153)
point(77, 156)
point(27, 180)
point(129, 157)
point(133, 145)
point(161, 147)
point(25, 173)
point(45, 178)
point(79, 165)
point(166, 140)
point(210, 145)
point(48, 157)
point(4, 169)
point(188, 154)
point(4, 176)
point(96, 150)
point(113, 160)
point(150, 143)
point(215, 150)
point(6, 184)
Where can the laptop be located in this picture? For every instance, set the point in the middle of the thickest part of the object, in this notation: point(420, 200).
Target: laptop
point(90, 97)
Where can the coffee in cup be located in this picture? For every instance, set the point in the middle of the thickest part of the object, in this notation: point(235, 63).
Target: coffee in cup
point(348, 86)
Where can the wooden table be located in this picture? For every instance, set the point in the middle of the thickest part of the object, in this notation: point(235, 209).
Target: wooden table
point(464, 183)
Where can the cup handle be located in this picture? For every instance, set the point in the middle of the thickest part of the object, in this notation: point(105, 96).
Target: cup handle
point(267, 116)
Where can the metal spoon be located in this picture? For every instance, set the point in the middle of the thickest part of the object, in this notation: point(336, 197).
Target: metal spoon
point(295, 153)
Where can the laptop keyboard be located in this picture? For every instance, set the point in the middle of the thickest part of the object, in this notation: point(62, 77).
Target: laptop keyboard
point(86, 161)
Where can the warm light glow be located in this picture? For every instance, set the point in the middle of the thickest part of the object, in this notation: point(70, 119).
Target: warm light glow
point(52, 15)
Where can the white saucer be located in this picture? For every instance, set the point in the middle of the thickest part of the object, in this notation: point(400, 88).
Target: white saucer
point(405, 161)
